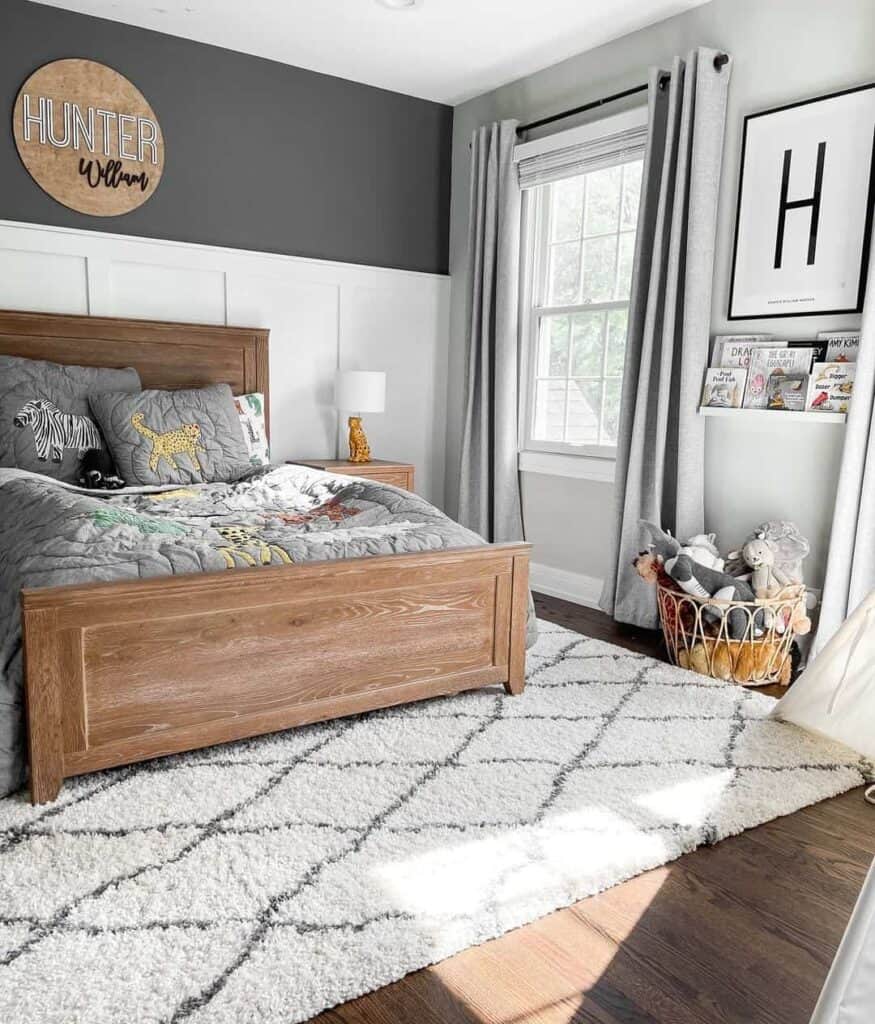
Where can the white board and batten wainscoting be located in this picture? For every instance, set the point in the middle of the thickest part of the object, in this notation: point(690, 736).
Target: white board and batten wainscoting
point(321, 315)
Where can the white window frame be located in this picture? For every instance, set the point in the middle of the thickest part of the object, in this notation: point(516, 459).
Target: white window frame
point(588, 461)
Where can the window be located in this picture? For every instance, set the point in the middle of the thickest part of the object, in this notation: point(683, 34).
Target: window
point(581, 240)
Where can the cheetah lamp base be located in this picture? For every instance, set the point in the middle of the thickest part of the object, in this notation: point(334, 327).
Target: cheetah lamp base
point(359, 449)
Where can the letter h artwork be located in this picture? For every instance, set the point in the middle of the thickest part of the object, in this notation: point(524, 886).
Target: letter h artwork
point(786, 204)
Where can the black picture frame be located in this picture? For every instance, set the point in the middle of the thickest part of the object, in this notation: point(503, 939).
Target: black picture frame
point(867, 230)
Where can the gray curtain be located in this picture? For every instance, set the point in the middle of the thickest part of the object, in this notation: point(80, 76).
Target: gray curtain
point(661, 448)
point(489, 492)
point(850, 566)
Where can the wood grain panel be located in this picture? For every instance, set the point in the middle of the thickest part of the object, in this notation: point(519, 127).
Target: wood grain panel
point(281, 655)
point(395, 479)
point(90, 604)
point(166, 355)
point(150, 667)
point(44, 669)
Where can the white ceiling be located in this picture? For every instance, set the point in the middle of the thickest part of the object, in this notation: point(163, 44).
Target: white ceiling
point(444, 50)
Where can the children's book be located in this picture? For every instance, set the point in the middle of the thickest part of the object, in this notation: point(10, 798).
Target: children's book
point(841, 346)
point(820, 346)
point(787, 391)
point(724, 387)
point(735, 349)
point(830, 387)
point(766, 361)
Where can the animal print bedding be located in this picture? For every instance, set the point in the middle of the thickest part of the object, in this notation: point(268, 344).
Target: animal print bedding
point(45, 422)
point(192, 435)
point(53, 534)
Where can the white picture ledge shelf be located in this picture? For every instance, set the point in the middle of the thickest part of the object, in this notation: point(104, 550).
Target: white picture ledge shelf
point(776, 414)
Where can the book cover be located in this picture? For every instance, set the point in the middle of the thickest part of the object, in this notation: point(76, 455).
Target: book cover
point(820, 346)
point(830, 387)
point(735, 349)
point(724, 387)
point(787, 391)
point(766, 361)
point(841, 346)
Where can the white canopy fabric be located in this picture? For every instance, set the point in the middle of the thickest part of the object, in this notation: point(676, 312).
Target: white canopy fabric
point(835, 695)
point(848, 996)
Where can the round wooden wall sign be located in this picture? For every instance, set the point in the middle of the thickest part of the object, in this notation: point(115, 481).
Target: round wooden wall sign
point(88, 137)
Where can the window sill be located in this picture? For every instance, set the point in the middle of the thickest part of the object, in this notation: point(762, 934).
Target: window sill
point(579, 467)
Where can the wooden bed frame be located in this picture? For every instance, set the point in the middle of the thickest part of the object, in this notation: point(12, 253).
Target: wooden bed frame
point(124, 671)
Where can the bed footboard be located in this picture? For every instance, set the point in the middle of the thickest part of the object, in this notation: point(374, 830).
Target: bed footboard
point(125, 671)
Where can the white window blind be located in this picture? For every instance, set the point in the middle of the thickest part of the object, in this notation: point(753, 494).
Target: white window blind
point(608, 150)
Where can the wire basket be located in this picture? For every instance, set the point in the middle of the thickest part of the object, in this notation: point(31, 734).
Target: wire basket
point(747, 642)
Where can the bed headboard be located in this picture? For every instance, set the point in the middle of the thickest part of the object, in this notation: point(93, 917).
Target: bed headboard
point(166, 355)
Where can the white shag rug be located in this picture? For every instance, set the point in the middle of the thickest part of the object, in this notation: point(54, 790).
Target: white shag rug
point(264, 881)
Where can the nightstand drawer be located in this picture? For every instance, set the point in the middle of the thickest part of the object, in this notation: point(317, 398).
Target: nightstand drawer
point(398, 474)
point(396, 479)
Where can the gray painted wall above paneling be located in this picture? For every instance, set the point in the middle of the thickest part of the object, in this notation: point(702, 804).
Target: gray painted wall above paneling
point(260, 155)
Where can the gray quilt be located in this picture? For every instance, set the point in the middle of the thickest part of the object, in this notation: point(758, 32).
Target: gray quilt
point(52, 534)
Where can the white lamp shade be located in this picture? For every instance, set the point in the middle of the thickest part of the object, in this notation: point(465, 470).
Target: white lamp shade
point(360, 390)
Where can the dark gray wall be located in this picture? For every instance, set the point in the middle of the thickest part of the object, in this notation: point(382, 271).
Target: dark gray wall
point(259, 155)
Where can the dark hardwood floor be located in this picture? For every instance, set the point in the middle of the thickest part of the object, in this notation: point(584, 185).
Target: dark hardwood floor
point(738, 933)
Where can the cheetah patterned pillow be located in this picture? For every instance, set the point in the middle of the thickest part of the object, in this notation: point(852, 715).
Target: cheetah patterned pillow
point(45, 423)
point(173, 437)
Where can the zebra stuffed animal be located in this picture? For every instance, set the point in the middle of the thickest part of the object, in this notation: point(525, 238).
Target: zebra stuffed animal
point(53, 430)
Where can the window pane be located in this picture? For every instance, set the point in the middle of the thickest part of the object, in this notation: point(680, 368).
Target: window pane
point(624, 267)
point(599, 255)
point(602, 201)
point(553, 347)
point(631, 195)
point(617, 319)
point(611, 411)
point(549, 422)
point(564, 273)
point(567, 210)
point(586, 345)
point(584, 400)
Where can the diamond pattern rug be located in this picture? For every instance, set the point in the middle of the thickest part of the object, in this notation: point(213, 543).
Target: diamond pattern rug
point(264, 881)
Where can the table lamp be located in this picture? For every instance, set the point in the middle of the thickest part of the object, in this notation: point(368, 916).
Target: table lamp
point(358, 391)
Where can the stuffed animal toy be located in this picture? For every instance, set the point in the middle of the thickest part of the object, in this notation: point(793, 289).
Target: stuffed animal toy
point(700, 580)
point(787, 543)
point(766, 579)
point(97, 471)
point(711, 658)
point(760, 663)
point(746, 662)
point(703, 549)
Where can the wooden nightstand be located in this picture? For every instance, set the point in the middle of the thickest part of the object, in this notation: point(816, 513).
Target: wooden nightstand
point(398, 473)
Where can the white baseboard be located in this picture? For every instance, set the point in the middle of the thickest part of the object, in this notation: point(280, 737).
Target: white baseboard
point(570, 586)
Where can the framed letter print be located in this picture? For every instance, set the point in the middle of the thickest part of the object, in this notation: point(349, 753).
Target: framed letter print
point(804, 217)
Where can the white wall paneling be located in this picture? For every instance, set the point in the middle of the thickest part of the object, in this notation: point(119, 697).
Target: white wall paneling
point(321, 315)
point(47, 281)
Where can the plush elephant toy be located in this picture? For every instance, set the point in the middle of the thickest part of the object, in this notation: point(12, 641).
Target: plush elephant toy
point(701, 580)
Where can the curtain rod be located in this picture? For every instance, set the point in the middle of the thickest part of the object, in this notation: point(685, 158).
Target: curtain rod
point(719, 61)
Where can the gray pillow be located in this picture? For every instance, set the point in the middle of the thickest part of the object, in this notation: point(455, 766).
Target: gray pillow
point(173, 437)
point(45, 422)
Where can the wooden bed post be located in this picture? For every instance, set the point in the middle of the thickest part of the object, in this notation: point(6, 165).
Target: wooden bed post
point(519, 608)
point(42, 695)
